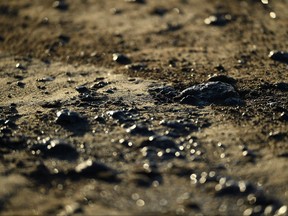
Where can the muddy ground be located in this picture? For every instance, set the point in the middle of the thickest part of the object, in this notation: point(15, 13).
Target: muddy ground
point(129, 143)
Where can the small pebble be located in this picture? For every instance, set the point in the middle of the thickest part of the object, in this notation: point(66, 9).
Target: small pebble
point(99, 85)
point(64, 38)
point(136, 66)
point(119, 115)
point(57, 148)
point(222, 78)
point(110, 91)
point(282, 86)
point(139, 129)
point(93, 169)
point(20, 66)
point(277, 135)
point(67, 117)
point(136, 1)
point(220, 68)
point(100, 119)
point(179, 124)
point(20, 84)
point(116, 11)
point(60, 5)
point(161, 142)
point(283, 116)
point(121, 58)
point(159, 11)
point(163, 93)
point(279, 56)
point(71, 209)
point(82, 89)
point(218, 19)
point(45, 79)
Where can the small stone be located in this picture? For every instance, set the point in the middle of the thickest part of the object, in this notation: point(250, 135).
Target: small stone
point(67, 117)
point(218, 19)
point(93, 169)
point(178, 124)
point(147, 175)
point(45, 79)
point(51, 104)
point(5, 130)
point(136, 66)
point(20, 66)
point(279, 56)
point(281, 86)
point(119, 115)
point(139, 129)
point(9, 142)
point(260, 198)
point(116, 11)
point(99, 85)
point(121, 58)
point(20, 84)
point(82, 89)
point(60, 5)
point(170, 27)
point(234, 188)
point(89, 97)
point(283, 116)
point(71, 209)
point(136, 1)
point(110, 91)
point(229, 188)
point(222, 78)
point(64, 38)
point(164, 90)
point(277, 135)
point(161, 142)
point(10, 123)
point(163, 93)
point(40, 173)
point(220, 68)
point(193, 205)
point(100, 119)
point(249, 154)
point(210, 93)
point(159, 11)
point(57, 148)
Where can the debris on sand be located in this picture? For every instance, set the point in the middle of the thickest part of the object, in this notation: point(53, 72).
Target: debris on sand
point(60, 5)
point(66, 116)
point(279, 56)
point(210, 93)
point(82, 89)
point(55, 148)
point(121, 58)
point(222, 78)
point(136, 1)
point(93, 169)
point(218, 19)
